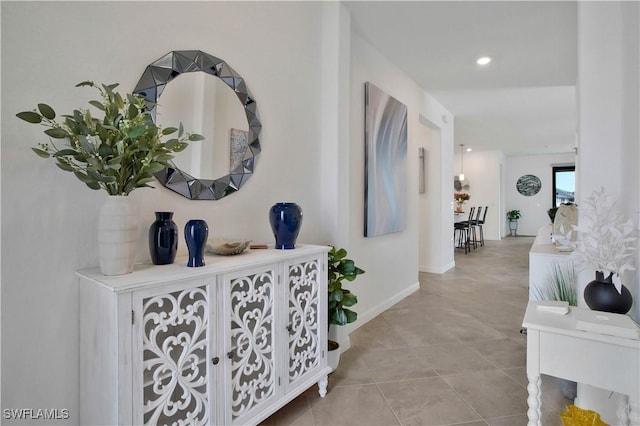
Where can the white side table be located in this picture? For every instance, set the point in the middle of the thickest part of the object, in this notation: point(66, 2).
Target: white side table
point(557, 346)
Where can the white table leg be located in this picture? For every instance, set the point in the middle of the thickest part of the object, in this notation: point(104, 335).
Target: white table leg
point(634, 412)
point(322, 386)
point(622, 411)
point(534, 400)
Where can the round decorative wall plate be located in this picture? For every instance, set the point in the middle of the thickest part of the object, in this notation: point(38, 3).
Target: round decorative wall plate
point(528, 185)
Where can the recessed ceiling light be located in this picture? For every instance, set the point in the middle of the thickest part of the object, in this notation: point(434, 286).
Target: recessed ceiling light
point(469, 149)
point(483, 60)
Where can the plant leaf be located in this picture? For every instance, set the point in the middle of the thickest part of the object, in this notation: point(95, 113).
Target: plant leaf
point(56, 133)
point(66, 152)
point(41, 153)
point(132, 112)
point(97, 105)
point(64, 165)
point(30, 117)
point(47, 111)
point(155, 167)
point(195, 137)
point(83, 177)
point(93, 185)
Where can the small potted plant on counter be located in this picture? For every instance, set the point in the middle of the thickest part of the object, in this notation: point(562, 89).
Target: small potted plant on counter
point(340, 299)
point(513, 216)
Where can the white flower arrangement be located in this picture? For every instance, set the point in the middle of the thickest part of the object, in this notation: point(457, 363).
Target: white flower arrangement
point(606, 239)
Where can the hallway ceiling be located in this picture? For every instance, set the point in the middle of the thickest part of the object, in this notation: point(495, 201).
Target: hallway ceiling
point(521, 103)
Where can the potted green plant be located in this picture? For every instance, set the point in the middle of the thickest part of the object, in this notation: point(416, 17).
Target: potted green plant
point(117, 153)
point(340, 299)
point(513, 216)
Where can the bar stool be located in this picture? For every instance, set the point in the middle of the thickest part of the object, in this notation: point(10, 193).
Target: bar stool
point(475, 223)
point(462, 230)
point(480, 225)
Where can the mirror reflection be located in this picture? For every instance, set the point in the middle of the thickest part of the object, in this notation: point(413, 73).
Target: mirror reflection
point(222, 163)
point(205, 105)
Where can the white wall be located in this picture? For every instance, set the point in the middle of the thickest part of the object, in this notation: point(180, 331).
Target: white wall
point(482, 172)
point(391, 260)
point(380, 255)
point(631, 126)
point(533, 208)
point(430, 241)
point(313, 154)
point(608, 148)
point(49, 218)
point(436, 225)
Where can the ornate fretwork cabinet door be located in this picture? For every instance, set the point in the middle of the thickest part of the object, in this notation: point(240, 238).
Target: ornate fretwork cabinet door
point(250, 324)
point(171, 339)
point(305, 320)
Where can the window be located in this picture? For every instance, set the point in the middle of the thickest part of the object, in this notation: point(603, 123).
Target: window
point(564, 184)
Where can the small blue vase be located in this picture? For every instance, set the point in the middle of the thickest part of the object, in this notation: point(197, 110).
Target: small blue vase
point(196, 232)
point(163, 239)
point(286, 221)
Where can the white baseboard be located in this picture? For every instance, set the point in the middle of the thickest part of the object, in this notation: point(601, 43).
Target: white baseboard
point(341, 334)
point(365, 317)
point(432, 270)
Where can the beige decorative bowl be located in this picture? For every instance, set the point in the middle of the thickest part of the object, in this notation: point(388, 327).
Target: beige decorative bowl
point(226, 247)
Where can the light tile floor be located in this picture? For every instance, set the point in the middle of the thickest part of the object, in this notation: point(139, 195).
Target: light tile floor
point(449, 354)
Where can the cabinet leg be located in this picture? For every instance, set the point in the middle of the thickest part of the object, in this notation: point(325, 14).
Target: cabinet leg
point(322, 386)
point(534, 400)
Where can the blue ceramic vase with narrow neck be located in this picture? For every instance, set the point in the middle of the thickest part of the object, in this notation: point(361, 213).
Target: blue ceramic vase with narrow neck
point(286, 221)
point(163, 239)
point(196, 232)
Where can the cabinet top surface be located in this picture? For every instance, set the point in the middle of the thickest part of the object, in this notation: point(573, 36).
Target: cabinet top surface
point(584, 323)
point(148, 274)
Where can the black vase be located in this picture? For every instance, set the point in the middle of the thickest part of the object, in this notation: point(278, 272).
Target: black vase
point(601, 295)
point(196, 232)
point(163, 239)
point(286, 221)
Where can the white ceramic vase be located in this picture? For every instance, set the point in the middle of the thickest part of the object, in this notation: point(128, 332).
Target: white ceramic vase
point(117, 235)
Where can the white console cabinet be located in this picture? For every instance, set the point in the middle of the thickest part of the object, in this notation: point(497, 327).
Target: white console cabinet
point(228, 343)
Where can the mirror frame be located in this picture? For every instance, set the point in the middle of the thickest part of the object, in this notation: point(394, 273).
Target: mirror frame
point(151, 85)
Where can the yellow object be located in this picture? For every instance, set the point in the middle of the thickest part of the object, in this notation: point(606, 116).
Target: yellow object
point(576, 416)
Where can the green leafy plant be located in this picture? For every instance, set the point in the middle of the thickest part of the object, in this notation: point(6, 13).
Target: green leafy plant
point(561, 285)
point(119, 152)
point(340, 299)
point(513, 215)
point(552, 213)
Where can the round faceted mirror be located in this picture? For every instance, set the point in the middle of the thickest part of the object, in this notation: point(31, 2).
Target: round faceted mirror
point(220, 108)
point(205, 105)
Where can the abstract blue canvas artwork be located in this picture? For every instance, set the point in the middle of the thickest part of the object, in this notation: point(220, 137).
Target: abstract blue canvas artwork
point(385, 163)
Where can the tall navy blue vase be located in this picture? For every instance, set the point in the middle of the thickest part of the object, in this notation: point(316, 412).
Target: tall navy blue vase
point(286, 220)
point(196, 232)
point(163, 239)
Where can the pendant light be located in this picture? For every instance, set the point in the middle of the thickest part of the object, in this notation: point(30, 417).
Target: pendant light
point(461, 177)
